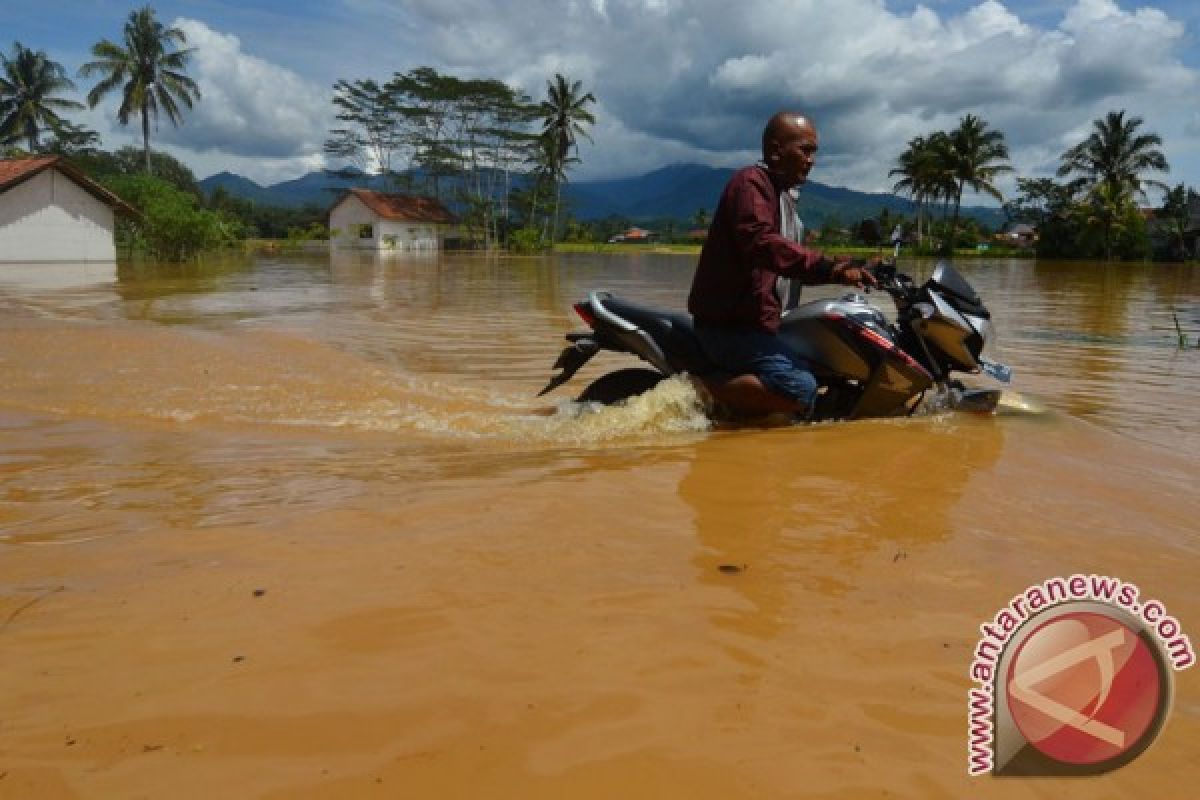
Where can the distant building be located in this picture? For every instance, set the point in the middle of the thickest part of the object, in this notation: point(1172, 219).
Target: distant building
point(1018, 235)
point(634, 235)
point(52, 212)
point(367, 220)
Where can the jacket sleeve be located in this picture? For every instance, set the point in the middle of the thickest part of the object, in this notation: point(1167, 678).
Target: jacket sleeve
point(758, 239)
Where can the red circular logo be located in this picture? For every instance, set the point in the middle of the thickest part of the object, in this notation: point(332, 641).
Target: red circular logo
point(1084, 688)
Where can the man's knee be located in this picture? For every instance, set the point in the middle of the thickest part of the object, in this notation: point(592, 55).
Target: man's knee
point(784, 377)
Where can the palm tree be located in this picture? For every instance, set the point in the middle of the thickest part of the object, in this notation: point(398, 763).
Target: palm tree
point(28, 83)
point(923, 175)
point(1116, 155)
point(970, 155)
point(148, 71)
point(564, 112)
point(1106, 214)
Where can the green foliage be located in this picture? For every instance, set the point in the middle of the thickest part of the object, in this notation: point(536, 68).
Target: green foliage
point(1115, 155)
point(73, 140)
point(833, 232)
point(1109, 226)
point(29, 82)
point(942, 165)
point(1095, 216)
point(101, 164)
point(171, 226)
point(1099, 224)
point(525, 240)
point(312, 232)
point(1173, 221)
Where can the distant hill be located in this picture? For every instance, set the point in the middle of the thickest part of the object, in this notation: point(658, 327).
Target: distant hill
point(314, 188)
point(677, 191)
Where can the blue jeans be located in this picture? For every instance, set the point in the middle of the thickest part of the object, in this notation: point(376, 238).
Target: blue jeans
point(763, 354)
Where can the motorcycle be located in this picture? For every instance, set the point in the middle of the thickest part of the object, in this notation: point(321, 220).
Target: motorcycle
point(864, 365)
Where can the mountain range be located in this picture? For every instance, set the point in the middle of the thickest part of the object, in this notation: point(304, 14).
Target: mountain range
point(677, 192)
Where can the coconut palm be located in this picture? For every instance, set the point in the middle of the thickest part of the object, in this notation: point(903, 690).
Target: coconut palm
point(148, 71)
point(564, 112)
point(922, 173)
point(1116, 155)
point(971, 156)
point(1105, 215)
point(29, 82)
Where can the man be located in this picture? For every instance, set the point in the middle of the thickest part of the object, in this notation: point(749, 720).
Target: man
point(733, 297)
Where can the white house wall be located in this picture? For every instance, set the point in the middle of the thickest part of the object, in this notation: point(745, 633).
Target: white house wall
point(346, 217)
point(386, 235)
point(51, 218)
point(408, 235)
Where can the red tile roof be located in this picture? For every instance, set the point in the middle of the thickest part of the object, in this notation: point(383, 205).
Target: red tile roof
point(402, 207)
point(14, 171)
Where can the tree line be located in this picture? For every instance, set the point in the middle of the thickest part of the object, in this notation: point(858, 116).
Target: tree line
point(1093, 213)
point(473, 143)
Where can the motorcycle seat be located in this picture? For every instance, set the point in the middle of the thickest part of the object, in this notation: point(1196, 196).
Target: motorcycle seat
point(673, 331)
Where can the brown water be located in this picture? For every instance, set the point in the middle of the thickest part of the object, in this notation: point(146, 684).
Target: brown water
point(470, 592)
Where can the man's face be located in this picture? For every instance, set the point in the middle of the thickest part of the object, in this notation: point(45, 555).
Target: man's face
point(795, 150)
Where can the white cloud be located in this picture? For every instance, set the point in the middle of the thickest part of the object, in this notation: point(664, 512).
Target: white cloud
point(249, 107)
point(695, 80)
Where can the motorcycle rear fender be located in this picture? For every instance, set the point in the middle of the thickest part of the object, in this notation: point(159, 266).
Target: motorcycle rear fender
point(617, 339)
point(571, 359)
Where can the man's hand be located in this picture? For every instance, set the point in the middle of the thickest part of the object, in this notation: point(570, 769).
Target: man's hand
point(853, 274)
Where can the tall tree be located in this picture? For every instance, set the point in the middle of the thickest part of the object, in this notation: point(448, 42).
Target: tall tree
point(922, 173)
point(1105, 215)
point(148, 70)
point(1116, 155)
point(373, 130)
point(1175, 215)
point(564, 114)
point(29, 82)
point(973, 157)
point(73, 140)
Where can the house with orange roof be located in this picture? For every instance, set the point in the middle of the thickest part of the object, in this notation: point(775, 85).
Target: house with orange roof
point(366, 220)
point(634, 235)
point(50, 211)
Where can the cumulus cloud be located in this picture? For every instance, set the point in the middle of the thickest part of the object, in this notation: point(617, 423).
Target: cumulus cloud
point(693, 80)
point(249, 107)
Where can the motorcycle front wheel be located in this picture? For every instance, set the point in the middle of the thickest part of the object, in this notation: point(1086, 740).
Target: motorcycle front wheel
point(616, 387)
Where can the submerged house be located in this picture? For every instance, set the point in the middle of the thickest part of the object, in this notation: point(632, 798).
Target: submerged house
point(50, 211)
point(367, 220)
point(634, 235)
point(1019, 235)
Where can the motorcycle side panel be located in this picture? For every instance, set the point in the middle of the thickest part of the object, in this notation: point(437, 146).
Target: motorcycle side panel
point(947, 332)
point(823, 341)
point(892, 385)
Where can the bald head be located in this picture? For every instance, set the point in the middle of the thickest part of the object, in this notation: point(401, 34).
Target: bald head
point(789, 145)
point(785, 125)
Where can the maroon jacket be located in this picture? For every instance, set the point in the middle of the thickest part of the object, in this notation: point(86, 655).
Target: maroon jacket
point(734, 285)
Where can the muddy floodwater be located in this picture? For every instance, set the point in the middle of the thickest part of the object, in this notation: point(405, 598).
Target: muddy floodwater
point(297, 527)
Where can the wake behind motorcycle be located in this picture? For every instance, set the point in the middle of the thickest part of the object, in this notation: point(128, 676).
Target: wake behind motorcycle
point(865, 366)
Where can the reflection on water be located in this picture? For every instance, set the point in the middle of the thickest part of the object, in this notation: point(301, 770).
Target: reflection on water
point(472, 591)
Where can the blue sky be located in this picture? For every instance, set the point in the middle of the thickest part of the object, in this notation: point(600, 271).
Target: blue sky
point(677, 80)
